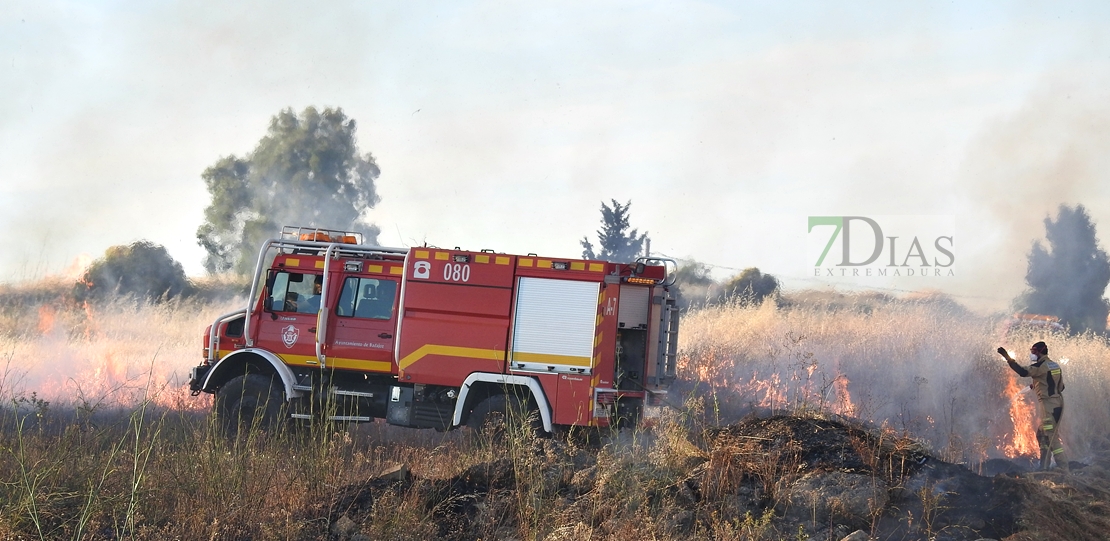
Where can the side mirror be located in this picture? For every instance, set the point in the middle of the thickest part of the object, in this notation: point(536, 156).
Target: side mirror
point(268, 304)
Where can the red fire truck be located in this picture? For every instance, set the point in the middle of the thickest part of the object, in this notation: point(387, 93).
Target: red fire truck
point(439, 338)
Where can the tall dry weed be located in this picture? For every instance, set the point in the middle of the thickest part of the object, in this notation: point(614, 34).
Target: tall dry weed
point(116, 354)
point(926, 369)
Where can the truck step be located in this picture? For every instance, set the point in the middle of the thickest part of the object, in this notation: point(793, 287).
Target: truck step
point(356, 394)
point(351, 418)
point(347, 418)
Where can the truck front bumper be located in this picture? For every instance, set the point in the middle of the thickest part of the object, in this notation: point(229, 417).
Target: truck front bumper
point(196, 378)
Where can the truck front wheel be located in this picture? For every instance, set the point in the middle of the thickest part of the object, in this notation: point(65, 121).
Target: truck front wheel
point(248, 403)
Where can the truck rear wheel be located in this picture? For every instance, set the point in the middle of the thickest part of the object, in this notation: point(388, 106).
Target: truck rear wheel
point(247, 403)
point(492, 416)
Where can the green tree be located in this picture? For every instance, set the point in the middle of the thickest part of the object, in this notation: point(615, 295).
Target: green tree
point(751, 287)
point(616, 242)
point(142, 269)
point(1069, 278)
point(306, 171)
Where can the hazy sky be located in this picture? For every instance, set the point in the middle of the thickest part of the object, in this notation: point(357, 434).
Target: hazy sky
point(504, 125)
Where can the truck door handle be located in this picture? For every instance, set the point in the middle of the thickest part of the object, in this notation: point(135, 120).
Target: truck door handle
point(385, 335)
point(312, 330)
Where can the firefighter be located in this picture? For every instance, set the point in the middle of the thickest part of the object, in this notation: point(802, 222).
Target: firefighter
point(312, 303)
point(1048, 383)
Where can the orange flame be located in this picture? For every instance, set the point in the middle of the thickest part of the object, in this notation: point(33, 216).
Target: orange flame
point(765, 393)
point(1023, 441)
point(46, 319)
point(76, 268)
point(97, 368)
point(843, 404)
point(780, 390)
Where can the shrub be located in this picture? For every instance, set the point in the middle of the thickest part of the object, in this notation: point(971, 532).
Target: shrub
point(142, 269)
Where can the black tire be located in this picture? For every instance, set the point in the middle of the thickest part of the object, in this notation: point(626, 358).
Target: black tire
point(247, 403)
point(490, 418)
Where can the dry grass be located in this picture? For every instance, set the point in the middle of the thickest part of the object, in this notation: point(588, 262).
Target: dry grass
point(923, 368)
point(98, 438)
point(105, 355)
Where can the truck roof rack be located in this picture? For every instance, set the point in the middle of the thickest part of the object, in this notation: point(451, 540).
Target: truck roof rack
point(319, 234)
point(317, 240)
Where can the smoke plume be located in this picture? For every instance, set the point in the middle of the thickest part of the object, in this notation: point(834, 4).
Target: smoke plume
point(1051, 151)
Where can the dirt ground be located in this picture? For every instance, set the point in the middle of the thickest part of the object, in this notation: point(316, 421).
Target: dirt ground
point(771, 478)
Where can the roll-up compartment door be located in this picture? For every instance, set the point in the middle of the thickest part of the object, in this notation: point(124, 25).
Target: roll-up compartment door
point(554, 325)
point(632, 312)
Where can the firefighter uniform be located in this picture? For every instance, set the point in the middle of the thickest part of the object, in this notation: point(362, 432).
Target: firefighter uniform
point(1048, 383)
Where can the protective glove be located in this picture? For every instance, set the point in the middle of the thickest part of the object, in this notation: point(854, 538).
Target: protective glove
point(1002, 352)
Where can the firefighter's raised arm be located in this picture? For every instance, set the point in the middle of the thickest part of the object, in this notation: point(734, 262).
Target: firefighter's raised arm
point(1013, 364)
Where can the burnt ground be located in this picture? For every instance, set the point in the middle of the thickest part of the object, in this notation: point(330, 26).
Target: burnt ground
point(761, 478)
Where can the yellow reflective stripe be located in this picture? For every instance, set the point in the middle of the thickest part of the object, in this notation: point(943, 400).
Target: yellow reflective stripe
point(376, 366)
point(1057, 451)
point(289, 358)
point(597, 267)
point(338, 362)
point(376, 269)
point(481, 258)
point(450, 351)
point(421, 254)
point(443, 256)
point(501, 260)
point(293, 262)
point(546, 358)
point(1047, 427)
point(577, 265)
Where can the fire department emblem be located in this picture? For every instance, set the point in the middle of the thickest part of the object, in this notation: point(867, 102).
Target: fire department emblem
point(289, 335)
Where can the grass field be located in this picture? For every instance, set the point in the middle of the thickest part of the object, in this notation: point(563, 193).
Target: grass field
point(925, 367)
point(99, 439)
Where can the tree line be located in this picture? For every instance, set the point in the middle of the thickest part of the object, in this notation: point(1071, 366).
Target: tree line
point(307, 170)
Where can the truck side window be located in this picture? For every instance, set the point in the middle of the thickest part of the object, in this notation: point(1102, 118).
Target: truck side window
point(366, 298)
point(293, 292)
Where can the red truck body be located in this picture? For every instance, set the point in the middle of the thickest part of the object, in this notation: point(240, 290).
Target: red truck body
point(423, 336)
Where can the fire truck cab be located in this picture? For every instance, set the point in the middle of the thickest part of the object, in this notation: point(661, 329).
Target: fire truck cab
point(439, 338)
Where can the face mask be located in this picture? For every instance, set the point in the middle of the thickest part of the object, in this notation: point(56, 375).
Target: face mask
point(1033, 357)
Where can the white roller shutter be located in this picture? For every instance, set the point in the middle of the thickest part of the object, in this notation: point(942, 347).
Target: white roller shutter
point(554, 324)
point(632, 312)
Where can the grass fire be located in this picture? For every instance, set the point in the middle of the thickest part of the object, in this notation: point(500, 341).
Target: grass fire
point(812, 416)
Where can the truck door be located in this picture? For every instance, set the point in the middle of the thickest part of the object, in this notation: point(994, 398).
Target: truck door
point(287, 325)
point(362, 325)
